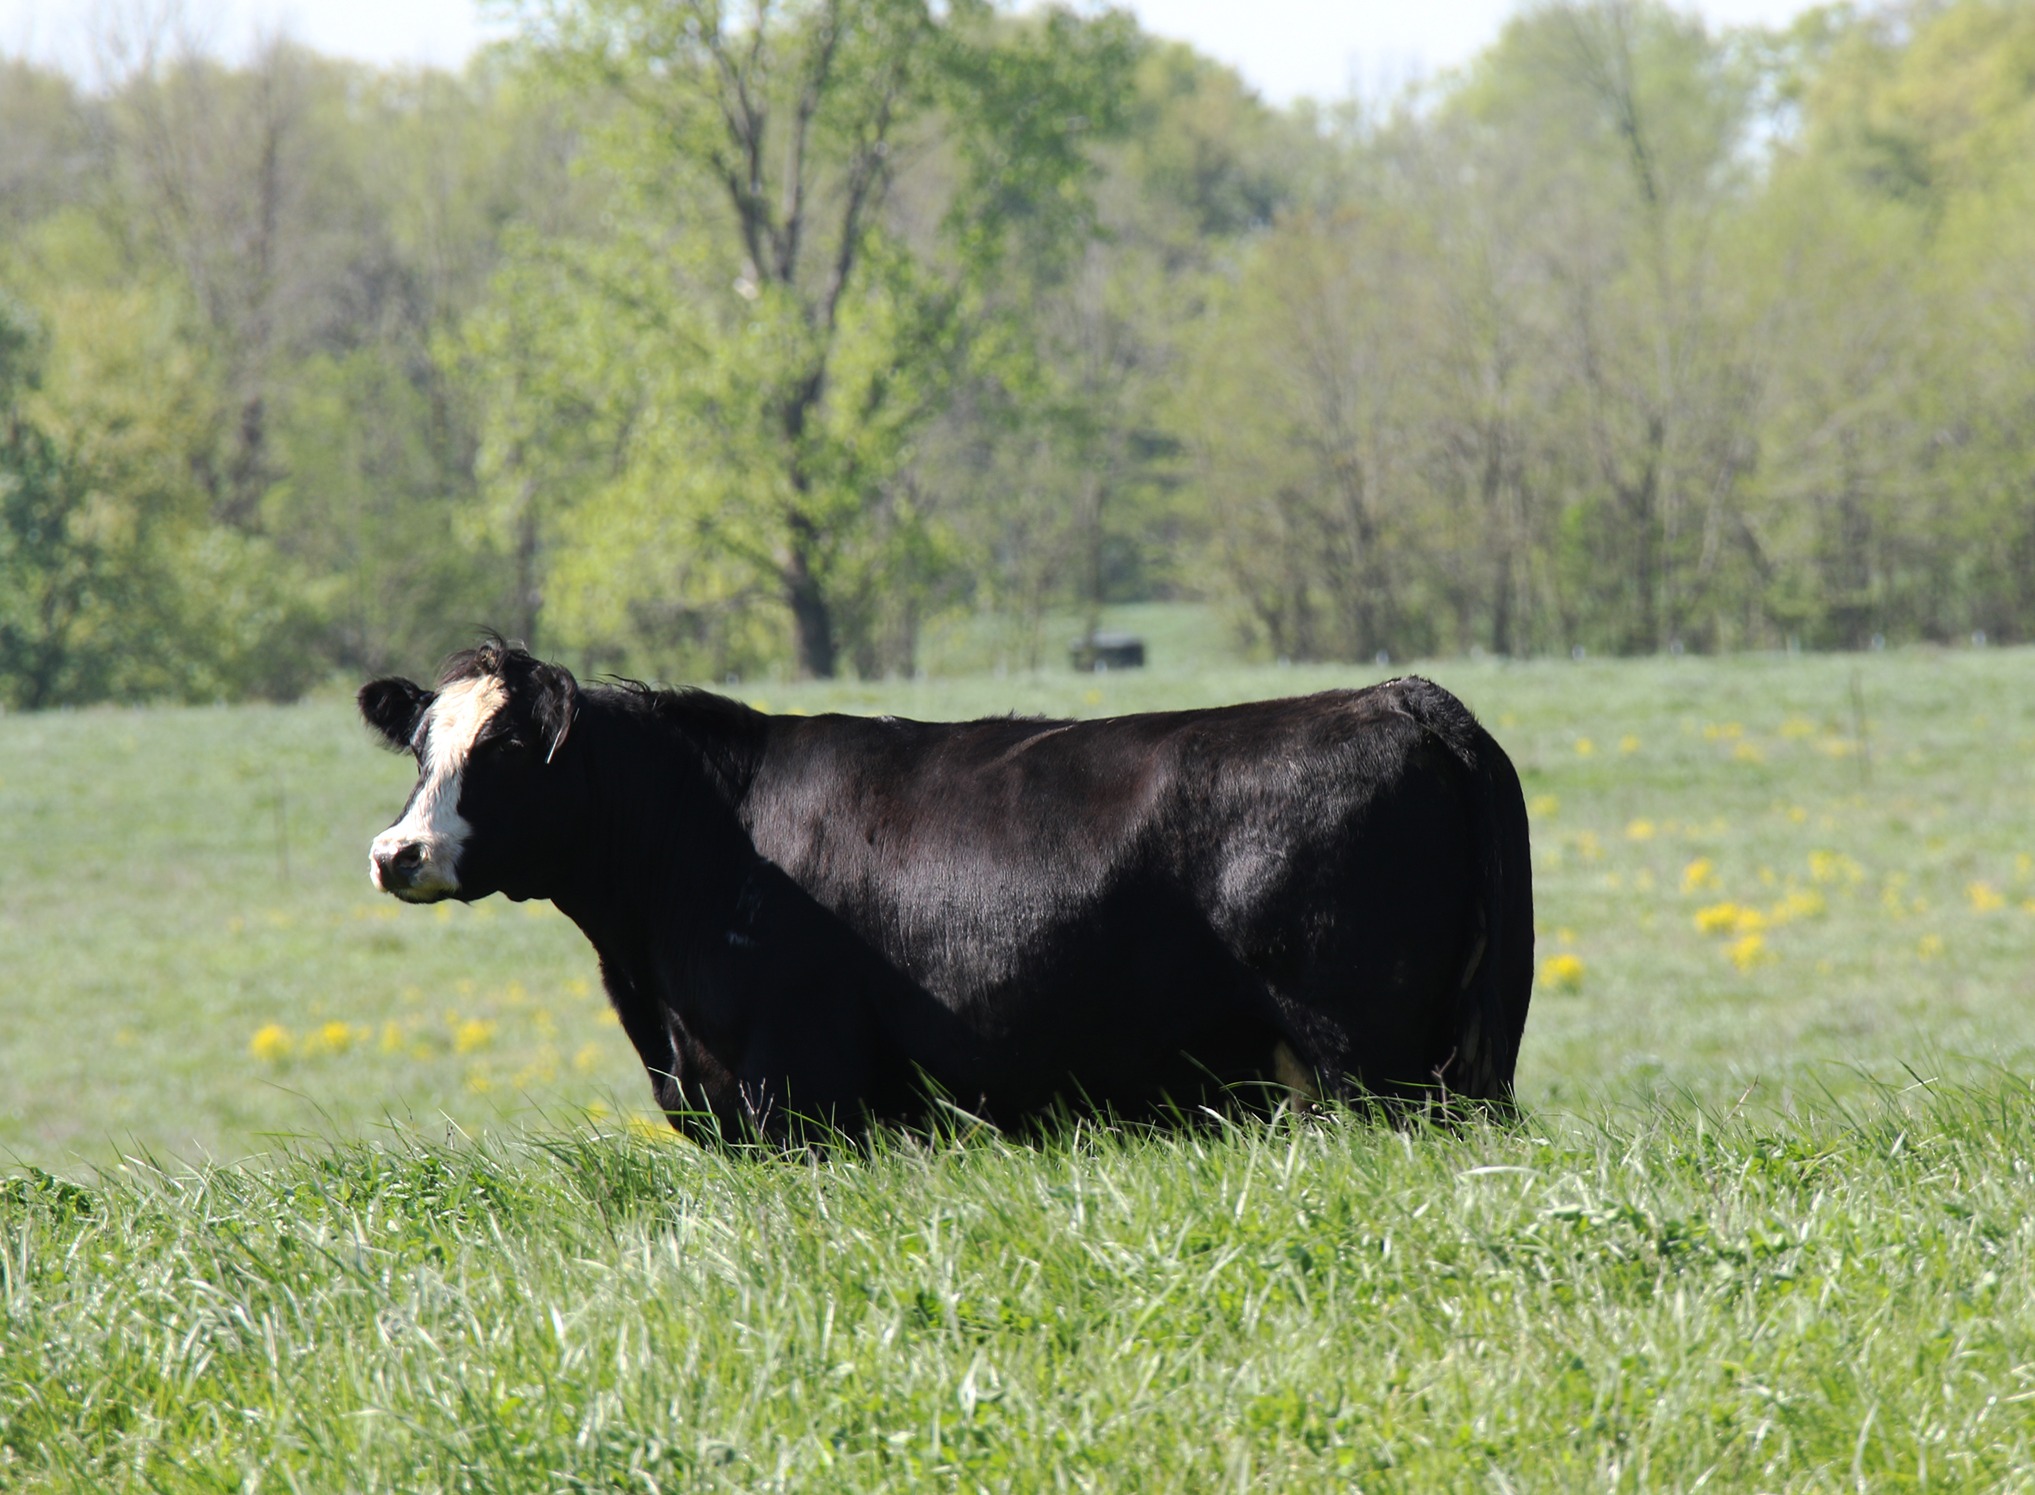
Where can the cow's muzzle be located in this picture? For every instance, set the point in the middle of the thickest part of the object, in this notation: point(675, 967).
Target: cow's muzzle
point(410, 870)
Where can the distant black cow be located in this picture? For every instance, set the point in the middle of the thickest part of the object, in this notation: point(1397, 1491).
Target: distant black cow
point(834, 918)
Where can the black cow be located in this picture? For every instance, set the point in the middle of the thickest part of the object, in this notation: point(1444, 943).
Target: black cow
point(832, 919)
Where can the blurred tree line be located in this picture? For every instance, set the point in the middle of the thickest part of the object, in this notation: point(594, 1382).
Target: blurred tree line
point(684, 338)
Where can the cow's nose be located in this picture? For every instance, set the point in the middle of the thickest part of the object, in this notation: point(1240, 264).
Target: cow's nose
point(399, 866)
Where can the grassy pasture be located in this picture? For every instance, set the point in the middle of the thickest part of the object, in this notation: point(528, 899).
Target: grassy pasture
point(309, 1190)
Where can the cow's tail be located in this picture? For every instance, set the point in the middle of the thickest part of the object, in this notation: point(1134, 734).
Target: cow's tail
point(1497, 982)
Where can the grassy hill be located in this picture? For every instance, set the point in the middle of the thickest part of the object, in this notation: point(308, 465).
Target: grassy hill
point(311, 1190)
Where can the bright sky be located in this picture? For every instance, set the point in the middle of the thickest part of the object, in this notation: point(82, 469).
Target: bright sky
point(1286, 48)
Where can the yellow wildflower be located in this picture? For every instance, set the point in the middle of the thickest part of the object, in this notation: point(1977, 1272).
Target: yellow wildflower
point(1723, 731)
point(1628, 744)
point(1543, 806)
point(1585, 747)
point(1985, 898)
point(1730, 918)
point(1801, 903)
point(1699, 874)
point(1717, 918)
point(1749, 951)
point(1639, 830)
point(1929, 946)
point(271, 1042)
point(473, 1033)
point(1563, 972)
point(334, 1037)
point(1798, 726)
point(1747, 752)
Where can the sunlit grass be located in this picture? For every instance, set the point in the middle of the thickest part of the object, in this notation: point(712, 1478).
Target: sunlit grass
point(1638, 1299)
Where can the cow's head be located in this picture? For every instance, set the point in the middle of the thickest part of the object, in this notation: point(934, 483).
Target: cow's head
point(488, 744)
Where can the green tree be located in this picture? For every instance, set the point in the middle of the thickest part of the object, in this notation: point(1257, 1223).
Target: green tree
point(1315, 473)
point(1634, 121)
point(812, 196)
point(49, 560)
point(114, 582)
point(1057, 469)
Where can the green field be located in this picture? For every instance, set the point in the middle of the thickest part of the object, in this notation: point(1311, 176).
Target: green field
point(309, 1190)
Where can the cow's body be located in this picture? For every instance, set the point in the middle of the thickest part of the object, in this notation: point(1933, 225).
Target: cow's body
point(830, 917)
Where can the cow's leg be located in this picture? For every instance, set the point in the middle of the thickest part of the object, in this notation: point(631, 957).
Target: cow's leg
point(803, 1072)
point(1375, 1022)
point(1301, 1079)
point(696, 1094)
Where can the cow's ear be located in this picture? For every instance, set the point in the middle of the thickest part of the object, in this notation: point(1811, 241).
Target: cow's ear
point(554, 703)
point(393, 707)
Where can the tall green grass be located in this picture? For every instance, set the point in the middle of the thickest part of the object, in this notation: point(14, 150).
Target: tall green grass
point(1652, 1298)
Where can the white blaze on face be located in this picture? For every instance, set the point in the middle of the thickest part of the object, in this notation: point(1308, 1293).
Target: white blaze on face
point(432, 823)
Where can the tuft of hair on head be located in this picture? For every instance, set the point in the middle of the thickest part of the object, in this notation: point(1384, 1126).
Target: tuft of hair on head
point(554, 704)
point(495, 654)
point(547, 692)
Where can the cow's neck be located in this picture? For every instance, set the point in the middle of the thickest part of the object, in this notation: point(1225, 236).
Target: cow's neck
point(663, 856)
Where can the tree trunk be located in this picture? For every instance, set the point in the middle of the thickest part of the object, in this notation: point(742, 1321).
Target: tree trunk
point(1501, 533)
point(529, 570)
point(1640, 501)
point(812, 620)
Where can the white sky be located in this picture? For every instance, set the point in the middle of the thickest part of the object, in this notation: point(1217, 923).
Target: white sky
point(1285, 48)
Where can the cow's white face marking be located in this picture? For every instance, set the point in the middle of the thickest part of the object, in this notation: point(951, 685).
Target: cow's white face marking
point(432, 823)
